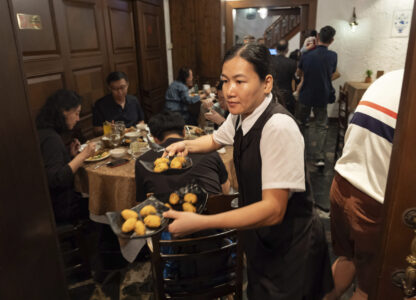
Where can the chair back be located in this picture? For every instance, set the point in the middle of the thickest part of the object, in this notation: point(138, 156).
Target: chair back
point(213, 261)
point(342, 121)
point(221, 203)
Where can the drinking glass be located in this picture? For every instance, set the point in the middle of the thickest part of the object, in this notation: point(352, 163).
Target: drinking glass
point(135, 150)
point(115, 139)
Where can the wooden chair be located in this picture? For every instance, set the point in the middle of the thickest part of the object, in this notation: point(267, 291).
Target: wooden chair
point(213, 282)
point(220, 203)
point(342, 121)
point(74, 251)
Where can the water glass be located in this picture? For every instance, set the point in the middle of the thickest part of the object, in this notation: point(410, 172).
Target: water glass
point(115, 139)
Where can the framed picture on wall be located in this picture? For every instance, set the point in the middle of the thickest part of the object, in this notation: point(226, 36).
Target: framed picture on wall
point(401, 23)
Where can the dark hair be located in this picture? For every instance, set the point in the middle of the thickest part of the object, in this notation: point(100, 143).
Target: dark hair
point(282, 45)
point(166, 123)
point(116, 76)
point(313, 32)
point(51, 114)
point(326, 35)
point(259, 56)
point(183, 74)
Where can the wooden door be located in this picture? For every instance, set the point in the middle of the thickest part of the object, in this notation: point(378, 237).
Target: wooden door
point(401, 187)
point(121, 43)
point(30, 263)
point(150, 38)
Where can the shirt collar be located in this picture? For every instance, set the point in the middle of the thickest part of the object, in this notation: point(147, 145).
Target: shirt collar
point(252, 118)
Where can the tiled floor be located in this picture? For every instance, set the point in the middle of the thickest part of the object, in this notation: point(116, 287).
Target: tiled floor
point(136, 282)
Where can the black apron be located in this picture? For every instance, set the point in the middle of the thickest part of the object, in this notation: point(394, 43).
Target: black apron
point(289, 260)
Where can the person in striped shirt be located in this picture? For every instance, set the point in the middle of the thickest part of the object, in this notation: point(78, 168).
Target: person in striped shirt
point(357, 191)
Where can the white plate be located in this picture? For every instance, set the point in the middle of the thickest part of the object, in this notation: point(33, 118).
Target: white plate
point(89, 159)
point(98, 146)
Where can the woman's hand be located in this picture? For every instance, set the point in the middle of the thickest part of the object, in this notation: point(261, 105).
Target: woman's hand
point(215, 117)
point(178, 148)
point(184, 222)
point(88, 151)
point(73, 147)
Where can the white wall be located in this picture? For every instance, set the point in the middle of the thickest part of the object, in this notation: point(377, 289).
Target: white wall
point(371, 46)
point(168, 40)
point(294, 43)
point(255, 27)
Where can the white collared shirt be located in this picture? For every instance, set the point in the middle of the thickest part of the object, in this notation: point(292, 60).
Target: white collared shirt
point(281, 147)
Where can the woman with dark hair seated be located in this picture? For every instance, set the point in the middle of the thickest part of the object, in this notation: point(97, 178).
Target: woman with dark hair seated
point(177, 96)
point(59, 115)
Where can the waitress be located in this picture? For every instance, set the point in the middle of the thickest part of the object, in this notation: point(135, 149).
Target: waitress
point(284, 241)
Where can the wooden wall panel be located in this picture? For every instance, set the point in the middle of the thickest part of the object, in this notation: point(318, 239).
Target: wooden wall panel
point(208, 40)
point(150, 38)
point(89, 84)
point(39, 88)
point(182, 26)
point(130, 68)
point(82, 28)
point(38, 42)
point(121, 22)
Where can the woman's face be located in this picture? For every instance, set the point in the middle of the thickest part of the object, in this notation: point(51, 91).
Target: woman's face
point(243, 90)
point(190, 79)
point(72, 117)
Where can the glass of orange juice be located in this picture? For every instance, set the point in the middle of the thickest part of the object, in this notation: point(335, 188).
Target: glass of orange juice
point(107, 128)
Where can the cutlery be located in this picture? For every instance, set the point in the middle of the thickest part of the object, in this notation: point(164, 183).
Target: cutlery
point(155, 147)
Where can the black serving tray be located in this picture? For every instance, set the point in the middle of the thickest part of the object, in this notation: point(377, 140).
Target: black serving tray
point(202, 197)
point(116, 220)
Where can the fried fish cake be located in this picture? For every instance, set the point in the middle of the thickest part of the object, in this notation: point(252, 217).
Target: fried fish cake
point(190, 197)
point(161, 167)
point(140, 228)
point(128, 225)
point(173, 198)
point(161, 160)
point(147, 210)
point(128, 213)
point(188, 207)
point(175, 164)
point(152, 221)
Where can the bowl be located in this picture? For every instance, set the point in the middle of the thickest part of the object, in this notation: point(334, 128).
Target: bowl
point(117, 152)
point(132, 135)
point(141, 126)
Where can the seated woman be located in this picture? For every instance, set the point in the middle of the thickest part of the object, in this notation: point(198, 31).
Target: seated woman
point(177, 96)
point(59, 115)
point(219, 111)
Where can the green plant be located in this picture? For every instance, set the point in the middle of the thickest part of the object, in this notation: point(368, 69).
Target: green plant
point(369, 73)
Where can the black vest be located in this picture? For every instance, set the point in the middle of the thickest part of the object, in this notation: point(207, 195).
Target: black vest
point(263, 245)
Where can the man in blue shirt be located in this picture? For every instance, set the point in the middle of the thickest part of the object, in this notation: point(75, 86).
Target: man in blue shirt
point(317, 67)
point(117, 106)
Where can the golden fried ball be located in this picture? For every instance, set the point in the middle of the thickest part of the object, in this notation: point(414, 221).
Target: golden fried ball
point(173, 198)
point(175, 164)
point(147, 210)
point(161, 167)
point(182, 159)
point(190, 197)
point(161, 160)
point(152, 221)
point(128, 225)
point(168, 205)
point(140, 228)
point(128, 213)
point(188, 207)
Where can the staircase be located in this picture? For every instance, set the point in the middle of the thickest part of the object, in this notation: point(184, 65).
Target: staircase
point(285, 27)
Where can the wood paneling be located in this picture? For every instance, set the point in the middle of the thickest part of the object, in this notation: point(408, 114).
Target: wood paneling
point(130, 68)
point(38, 42)
point(81, 24)
point(150, 39)
point(121, 22)
point(30, 263)
point(196, 37)
point(39, 88)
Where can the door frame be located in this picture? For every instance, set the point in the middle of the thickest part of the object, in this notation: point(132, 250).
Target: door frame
point(308, 14)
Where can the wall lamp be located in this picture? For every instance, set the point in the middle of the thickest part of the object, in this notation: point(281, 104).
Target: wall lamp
point(353, 22)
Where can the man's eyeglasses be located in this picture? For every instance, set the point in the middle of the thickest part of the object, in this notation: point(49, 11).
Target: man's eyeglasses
point(120, 88)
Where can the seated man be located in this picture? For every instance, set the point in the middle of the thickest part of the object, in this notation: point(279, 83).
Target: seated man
point(208, 168)
point(117, 106)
